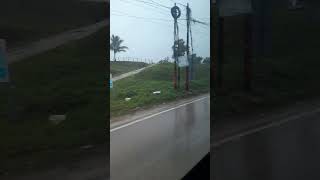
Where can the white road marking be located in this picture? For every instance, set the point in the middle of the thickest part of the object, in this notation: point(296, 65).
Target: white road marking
point(261, 128)
point(156, 114)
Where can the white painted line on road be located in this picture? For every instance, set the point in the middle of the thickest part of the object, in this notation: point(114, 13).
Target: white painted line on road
point(156, 114)
point(261, 128)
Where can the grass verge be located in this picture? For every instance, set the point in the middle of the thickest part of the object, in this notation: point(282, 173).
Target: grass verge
point(140, 88)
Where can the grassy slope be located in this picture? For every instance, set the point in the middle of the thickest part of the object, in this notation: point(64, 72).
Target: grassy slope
point(289, 75)
point(68, 79)
point(121, 67)
point(26, 20)
point(157, 78)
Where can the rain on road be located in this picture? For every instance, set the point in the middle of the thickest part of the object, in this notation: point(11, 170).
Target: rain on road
point(164, 146)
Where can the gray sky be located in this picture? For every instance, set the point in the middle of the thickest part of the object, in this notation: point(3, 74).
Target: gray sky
point(152, 38)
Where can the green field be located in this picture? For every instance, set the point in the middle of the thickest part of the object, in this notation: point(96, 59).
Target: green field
point(68, 80)
point(288, 75)
point(141, 86)
point(26, 20)
point(121, 67)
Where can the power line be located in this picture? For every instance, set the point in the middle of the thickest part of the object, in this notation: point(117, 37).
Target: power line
point(155, 20)
point(138, 17)
point(156, 9)
point(160, 4)
point(153, 4)
point(178, 3)
point(193, 19)
point(200, 22)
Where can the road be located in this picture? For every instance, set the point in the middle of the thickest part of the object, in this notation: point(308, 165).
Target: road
point(52, 42)
point(286, 148)
point(163, 145)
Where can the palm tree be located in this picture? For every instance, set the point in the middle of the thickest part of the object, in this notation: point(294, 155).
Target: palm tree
point(116, 47)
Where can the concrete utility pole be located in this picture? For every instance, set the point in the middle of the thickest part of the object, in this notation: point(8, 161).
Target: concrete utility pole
point(188, 52)
point(190, 60)
point(176, 13)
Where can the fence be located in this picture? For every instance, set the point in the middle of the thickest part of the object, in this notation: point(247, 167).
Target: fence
point(144, 60)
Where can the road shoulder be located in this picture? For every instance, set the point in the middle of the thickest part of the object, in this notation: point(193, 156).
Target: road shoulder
point(116, 122)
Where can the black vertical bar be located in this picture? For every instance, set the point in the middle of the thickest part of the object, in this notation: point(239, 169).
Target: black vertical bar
point(12, 114)
point(220, 50)
point(248, 53)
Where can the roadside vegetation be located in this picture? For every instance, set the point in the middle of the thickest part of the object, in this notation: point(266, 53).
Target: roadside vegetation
point(23, 21)
point(70, 80)
point(116, 46)
point(289, 75)
point(140, 88)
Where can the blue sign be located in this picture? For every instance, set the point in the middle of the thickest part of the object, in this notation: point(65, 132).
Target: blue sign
point(3, 68)
point(111, 84)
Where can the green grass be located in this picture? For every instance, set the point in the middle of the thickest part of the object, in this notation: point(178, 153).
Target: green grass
point(157, 78)
point(290, 74)
point(23, 21)
point(69, 79)
point(121, 67)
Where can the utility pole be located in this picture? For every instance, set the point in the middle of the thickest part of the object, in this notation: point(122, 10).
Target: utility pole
point(178, 75)
point(188, 53)
point(191, 74)
point(176, 13)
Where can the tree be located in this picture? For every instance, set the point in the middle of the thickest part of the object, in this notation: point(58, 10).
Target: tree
point(165, 60)
point(196, 59)
point(206, 60)
point(116, 47)
point(181, 47)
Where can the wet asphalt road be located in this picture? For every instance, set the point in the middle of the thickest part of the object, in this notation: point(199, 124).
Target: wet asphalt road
point(290, 151)
point(164, 146)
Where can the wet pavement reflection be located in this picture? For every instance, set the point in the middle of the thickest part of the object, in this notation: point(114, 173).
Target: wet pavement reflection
point(165, 146)
point(287, 152)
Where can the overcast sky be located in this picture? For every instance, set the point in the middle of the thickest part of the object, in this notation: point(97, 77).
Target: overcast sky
point(148, 31)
